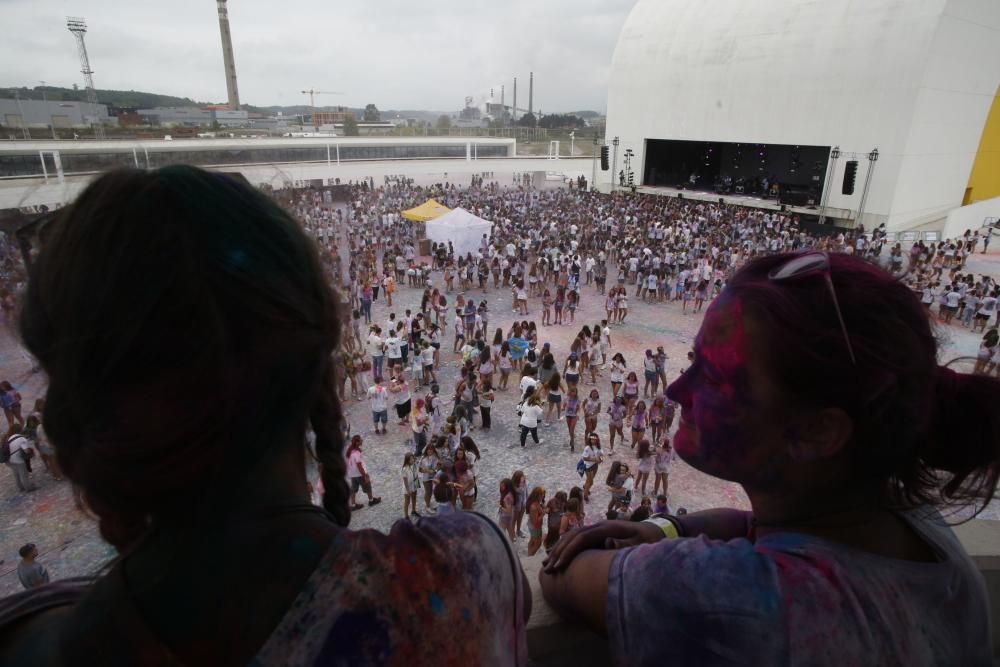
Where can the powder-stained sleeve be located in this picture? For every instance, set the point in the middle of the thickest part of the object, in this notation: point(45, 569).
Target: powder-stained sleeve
point(796, 599)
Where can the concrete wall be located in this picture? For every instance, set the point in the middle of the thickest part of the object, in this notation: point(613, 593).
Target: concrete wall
point(981, 540)
point(953, 100)
point(970, 217)
point(913, 78)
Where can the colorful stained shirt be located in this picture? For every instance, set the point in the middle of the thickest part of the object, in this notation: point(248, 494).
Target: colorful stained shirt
point(795, 599)
point(444, 591)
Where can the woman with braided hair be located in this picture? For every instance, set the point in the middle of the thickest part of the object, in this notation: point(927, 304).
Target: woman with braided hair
point(190, 339)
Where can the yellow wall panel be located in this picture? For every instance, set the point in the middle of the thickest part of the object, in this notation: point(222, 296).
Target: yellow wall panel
point(984, 181)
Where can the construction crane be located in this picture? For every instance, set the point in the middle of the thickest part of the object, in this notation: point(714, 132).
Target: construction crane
point(312, 102)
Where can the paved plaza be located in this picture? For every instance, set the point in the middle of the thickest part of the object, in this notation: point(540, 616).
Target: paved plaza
point(69, 543)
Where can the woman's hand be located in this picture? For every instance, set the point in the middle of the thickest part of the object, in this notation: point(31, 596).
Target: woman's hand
point(604, 535)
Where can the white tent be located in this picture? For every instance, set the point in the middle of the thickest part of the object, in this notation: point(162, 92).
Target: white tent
point(463, 229)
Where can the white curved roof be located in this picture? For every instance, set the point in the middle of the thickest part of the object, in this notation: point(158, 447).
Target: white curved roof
point(914, 78)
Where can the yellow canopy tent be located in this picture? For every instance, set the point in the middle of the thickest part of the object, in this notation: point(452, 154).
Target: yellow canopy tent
point(429, 210)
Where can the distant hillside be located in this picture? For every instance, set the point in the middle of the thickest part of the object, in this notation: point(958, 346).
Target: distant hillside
point(144, 100)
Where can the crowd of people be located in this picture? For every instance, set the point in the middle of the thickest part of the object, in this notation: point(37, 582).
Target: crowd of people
point(551, 249)
point(843, 429)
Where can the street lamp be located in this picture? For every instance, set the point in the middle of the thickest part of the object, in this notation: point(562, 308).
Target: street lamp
point(45, 103)
point(20, 110)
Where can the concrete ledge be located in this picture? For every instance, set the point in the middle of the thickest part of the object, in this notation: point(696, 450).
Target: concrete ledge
point(552, 642)
point(981, 539)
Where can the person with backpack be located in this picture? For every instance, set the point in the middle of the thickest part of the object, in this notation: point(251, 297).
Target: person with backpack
point(10, 401)
point(17, 453)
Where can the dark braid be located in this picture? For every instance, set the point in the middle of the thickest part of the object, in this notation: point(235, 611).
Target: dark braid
point(327, 424)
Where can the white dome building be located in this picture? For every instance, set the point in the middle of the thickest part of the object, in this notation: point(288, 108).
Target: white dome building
point(767, 88)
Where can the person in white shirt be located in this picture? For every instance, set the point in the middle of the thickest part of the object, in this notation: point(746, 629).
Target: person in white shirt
point(987, 308)
point(593, 455)
point(21, 452)
point(531, 411)
point(393, 349)
point(951, 299)
point(528, 381)
point(379, 401)
point(376, 349)
point(427, 356)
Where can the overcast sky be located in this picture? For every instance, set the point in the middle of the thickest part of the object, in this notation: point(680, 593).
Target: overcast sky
point(411, 54)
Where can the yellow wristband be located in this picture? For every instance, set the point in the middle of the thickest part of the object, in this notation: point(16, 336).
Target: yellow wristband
point(668, 527)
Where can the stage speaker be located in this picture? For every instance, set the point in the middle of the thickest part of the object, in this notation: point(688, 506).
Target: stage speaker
point(605, 154)
point(680, 195)
point(783, 208)
point(850, 175)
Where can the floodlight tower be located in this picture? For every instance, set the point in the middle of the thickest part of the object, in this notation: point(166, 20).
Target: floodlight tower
point(78, 27)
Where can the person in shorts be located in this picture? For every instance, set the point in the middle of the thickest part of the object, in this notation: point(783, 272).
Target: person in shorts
point(379, 401)
point(400, 390)
point(459, 330)
point(358, 475)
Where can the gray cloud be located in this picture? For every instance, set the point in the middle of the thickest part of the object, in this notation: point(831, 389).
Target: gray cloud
point(394, 53)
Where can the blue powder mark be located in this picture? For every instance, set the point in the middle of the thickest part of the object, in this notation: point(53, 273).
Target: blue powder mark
point(466, 614)
point(437, 605)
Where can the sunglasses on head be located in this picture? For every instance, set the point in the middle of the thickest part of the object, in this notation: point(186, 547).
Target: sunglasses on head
point(811, 264)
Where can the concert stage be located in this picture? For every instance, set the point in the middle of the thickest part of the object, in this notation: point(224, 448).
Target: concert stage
point(790, 174)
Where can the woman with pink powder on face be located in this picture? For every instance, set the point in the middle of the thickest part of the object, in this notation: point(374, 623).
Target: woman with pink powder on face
point(845, 465)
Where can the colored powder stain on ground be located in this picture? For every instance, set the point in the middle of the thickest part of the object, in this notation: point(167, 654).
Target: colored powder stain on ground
point(437, 605)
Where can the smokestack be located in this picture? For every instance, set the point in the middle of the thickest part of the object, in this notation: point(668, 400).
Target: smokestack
point(501, 94)
point(513, 109)
point(531, 94)
point(227, 56)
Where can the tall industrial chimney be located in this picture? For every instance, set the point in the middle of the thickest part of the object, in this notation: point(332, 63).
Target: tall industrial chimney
point(227, 56)
point(513, 108)
point(531, 94)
